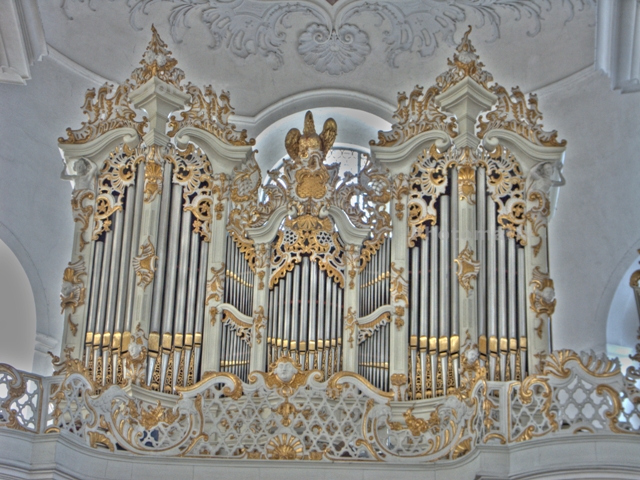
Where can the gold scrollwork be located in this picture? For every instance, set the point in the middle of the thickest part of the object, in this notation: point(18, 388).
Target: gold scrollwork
point(542, 298)
point(259, 323)
point(157, 62)
point(152, 177)
point(468, 268)
point(399, 294)
point(350, 324)
point(145, 264)
point(105, 113)
point(210, 112)
point(73, 290)
point(215, 286)
point(82, 213)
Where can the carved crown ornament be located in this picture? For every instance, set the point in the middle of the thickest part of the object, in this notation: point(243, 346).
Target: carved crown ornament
point(111, 107)
point(336, 38)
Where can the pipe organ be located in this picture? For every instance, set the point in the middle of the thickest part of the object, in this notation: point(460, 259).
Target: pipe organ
point(185, 263)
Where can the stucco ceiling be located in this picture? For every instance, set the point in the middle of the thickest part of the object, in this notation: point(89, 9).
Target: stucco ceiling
point(264, 51)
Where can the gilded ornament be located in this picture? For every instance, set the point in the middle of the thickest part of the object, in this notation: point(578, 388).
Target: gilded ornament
point(428, 180)
point(542, 298)
point(286, 376)
point(152, 177)
point(215, 286)
point(366, 330)
point(350, 324)
point(97, 439)
point(634, 281)
point(417, 426)
point(468, 268)
point(73, 290)
point(145, 264)
point(82, 213)
point(465, 63)
point(105, 113)
point(400, 189)
point(512, 113)
point(210, 112)
point(259, 320)
point(157, 62)
point(73, 327)
point(240, 328)
point(284, 447)
point(467, 176)
point(300, 145)
point(416, 113)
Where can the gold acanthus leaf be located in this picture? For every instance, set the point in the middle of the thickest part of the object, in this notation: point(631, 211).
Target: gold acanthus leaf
point(512, 113)
point(105, 113)
point(210, 112)
point(468, 268)
point(157, 62)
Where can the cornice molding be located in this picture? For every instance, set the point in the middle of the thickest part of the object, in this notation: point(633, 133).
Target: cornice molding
point(335, 40)
point(617, 47)
point(22, 40)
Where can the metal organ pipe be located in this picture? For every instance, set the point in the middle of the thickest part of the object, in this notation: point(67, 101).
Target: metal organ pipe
point(492, 327)
point(502, 302)
point(135, 242)
point(511, 314)
point(161, 251)
point(125, 259)
point(522, 313)
point(481, 229)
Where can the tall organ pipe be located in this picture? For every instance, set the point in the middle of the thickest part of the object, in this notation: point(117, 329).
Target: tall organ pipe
point(161, 249)
point(492, 326)
point(481, 255)
point(172, 258)
point(125, 259)
point(135, 242)
point(183, 271)
point(511, 304)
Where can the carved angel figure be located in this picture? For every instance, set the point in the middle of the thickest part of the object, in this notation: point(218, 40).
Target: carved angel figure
point(84, 176)
point(299, 145)
point(540, 178)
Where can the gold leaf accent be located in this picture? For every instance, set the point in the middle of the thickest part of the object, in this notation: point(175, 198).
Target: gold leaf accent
point(259, 323)
point(82, 213)
point(467, 269)
point(211, 113)
point(350, 324)
point(145, 264)
point(542, 298)
point(215, 286)
point(105, 113)
point(284, 447)
point(157, 62)
point(97, 438)
point(512, 113)
point(73, 289)
point(299, 145)
point(152, 177)
point(73, 327)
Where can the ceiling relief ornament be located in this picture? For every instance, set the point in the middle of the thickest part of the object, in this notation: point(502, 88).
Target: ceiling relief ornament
point(334, 41)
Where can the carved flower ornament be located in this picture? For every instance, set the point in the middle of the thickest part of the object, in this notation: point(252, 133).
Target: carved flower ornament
point(334, 52)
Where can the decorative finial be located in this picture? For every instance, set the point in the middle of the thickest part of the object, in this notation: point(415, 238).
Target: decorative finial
point(157, 62)
point(465, 63)
point(301, 145)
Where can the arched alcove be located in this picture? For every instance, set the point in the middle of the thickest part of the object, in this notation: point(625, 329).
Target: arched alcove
point(17, 312)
